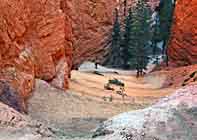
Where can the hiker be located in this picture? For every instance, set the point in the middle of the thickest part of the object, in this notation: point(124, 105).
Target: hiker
point(96, 65)
point(121, 92)
point(111, 98)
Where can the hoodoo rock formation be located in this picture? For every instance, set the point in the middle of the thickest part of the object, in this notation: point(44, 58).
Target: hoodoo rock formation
point(182, 49)
point(35, 42)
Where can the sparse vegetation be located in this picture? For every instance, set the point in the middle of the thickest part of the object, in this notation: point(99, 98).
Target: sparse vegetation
point(191, 78)
point(129, 48)
point(115, 50)
point(192, 74)
point(116, 82)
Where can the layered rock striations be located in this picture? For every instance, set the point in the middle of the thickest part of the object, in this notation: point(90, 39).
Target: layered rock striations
point(182, 48)
point(35, 42)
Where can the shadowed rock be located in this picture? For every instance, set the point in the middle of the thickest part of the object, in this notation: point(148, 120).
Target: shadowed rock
point(11, 98)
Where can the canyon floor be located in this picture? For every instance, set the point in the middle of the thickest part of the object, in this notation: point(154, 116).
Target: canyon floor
point(86, 104)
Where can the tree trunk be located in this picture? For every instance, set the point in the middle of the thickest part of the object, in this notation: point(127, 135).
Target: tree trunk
point(164, 48)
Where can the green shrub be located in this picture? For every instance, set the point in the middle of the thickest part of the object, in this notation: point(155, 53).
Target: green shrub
point(192, 74)
point(116, 82)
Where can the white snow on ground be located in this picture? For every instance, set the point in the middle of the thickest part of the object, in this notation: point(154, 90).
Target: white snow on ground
point(151, 64)
point(88, 66)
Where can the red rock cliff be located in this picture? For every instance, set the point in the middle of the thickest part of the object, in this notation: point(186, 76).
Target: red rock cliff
point(91, 22)
point(44, 38)
point(35, 42)
point(182, 49)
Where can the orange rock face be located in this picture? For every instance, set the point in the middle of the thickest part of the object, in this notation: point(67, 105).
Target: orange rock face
point(91, 21)
point(35, 39)
point(182, 49)
point(44, 39)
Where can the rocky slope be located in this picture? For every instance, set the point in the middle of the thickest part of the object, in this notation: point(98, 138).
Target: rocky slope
point(173, 117)
point(15, 126)
point(181, 76)
point(35, 42)
point(182, 48)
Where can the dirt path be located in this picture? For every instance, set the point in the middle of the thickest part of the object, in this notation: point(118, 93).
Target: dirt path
point(138, 90)
point(82, 108)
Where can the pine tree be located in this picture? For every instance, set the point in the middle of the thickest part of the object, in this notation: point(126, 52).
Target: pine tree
point(141, 36)
point(114, 59)
point(126, 45)
point(125, 7)
point(166, 9)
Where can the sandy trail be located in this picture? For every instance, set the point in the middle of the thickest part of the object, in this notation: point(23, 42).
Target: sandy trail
point(87, 83)
point(82, 108)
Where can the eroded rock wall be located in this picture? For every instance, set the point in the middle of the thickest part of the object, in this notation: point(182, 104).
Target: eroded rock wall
point(45, 38)
point(182, 49)
point(35, 39)
point(91, 23)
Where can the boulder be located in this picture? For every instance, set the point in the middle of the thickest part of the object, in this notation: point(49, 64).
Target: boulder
point(16, 126)
point(173, 117)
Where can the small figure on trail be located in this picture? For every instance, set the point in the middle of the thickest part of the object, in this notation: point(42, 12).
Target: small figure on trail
point(140, 72)
point(121, 92)
point(104, 98)
point(111, 98)
point(122, 89)
point(96, 63)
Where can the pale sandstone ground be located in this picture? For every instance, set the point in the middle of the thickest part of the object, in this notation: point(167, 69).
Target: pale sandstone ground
point(172, 118)
point(82, 108)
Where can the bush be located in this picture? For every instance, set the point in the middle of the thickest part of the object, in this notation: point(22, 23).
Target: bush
point(116, 82)
point(192, 74)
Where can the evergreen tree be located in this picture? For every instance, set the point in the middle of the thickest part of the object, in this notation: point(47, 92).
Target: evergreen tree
point(126, 45)
point(114, 59)
point(125, 7)
point(166, 9)
point(141, 36)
